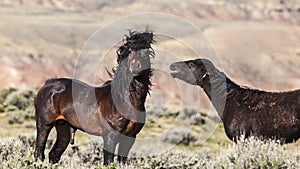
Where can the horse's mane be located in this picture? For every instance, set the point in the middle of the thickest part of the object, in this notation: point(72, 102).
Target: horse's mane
point(137, 41)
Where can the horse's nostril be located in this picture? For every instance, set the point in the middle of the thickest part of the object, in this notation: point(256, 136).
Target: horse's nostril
point(136, 66)
point(172, 67)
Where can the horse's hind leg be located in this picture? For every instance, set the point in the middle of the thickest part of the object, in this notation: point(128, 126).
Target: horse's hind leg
point(62, 141)
point(43, 131)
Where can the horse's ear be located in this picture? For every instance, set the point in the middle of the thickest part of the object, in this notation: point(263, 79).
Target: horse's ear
point(109, 73)
point(208, 65)
point(125, 39)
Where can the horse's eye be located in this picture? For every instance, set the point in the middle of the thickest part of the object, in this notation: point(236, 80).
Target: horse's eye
point(146, 53)
point(191, 64)
point(139, 54)
point(142, 54)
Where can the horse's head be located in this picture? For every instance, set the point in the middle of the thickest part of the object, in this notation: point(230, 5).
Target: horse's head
point(136, 52)
point(192, 71)
point(139, 60)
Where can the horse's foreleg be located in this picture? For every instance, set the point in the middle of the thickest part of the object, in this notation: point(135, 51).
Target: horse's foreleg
point(125, 145)
point(110, 141)
point(41, 139)
point(62, 141)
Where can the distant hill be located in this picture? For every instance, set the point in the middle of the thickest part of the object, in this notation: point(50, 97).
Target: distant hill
point(279, 10)
point(257, 41)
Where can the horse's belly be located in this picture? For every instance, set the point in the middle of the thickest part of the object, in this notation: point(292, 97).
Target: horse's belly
point(94, 131)
point(133, 128)
point(286, 132)
point(91, 127)
point(86, 121)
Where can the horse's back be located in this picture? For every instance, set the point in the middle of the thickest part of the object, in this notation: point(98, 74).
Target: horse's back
point(70, 100)
point(261, 113)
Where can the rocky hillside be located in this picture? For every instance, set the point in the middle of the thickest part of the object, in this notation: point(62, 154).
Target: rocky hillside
point(257, 41)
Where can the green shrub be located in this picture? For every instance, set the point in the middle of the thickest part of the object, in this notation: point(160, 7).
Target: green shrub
point(158, 111)
point(256, 153)
point(20, 99)
point(4, 93)
point(15, 118)
point(18, 104)
point(177, 135)
point(2, 108)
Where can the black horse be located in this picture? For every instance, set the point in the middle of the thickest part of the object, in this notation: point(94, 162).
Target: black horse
point(246, 111)
point(115, 110)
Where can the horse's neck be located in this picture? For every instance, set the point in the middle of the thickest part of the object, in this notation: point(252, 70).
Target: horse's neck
point(137, 93)
point(217, 86)
point(130, 90)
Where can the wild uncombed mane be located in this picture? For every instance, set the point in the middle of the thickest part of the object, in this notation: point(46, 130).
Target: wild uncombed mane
point(137, 41)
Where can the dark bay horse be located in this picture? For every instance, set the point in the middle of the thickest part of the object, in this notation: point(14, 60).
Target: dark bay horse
point(115, 110)
point(274, 115)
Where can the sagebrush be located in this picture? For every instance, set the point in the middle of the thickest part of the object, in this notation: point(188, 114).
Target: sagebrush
point(247, 153)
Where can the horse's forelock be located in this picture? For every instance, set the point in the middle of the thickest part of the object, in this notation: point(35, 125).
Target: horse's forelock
point(136, 41)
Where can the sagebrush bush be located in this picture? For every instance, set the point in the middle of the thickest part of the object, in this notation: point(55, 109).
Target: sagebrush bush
point(3, 95)
point(177, 135)
point(253, 153)
point(247, 153)
point(21, 99)
point(18, 104)
point(158, 111)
